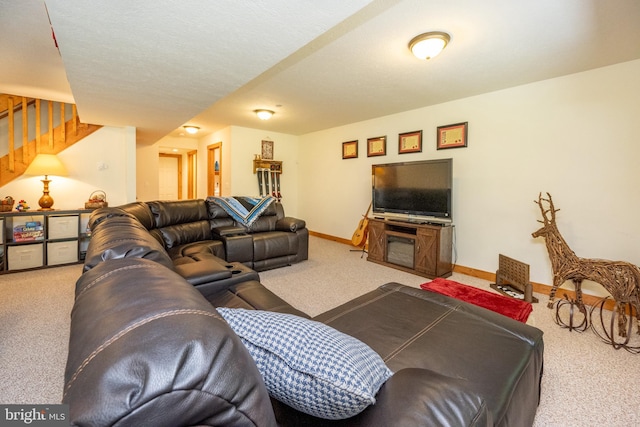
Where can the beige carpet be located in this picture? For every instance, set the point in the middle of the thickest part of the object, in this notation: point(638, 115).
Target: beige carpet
point(586, 382)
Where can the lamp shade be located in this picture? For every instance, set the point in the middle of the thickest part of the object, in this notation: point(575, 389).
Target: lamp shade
point(46, 164)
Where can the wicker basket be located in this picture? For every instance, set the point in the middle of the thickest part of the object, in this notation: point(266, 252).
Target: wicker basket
point(6, 205)
point(97, 199)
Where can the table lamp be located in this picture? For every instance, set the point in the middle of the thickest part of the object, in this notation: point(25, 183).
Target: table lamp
point(46, 164)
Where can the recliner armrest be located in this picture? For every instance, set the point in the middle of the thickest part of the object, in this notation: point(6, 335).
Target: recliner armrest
point(228, 230)
point(204, 271)
point(290, 224)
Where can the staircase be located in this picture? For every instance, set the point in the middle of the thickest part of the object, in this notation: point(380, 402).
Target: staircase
point(35, 126)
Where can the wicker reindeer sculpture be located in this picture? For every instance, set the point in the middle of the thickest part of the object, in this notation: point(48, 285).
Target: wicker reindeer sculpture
point(621, 279)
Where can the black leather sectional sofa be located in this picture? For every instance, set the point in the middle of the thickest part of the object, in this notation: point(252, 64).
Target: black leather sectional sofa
point(191, 230)
point(149, 347)
point(203, 243)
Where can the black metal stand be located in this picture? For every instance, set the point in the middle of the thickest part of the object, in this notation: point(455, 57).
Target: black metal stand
point(363, 250)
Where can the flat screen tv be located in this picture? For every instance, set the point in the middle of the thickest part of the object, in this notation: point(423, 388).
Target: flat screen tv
point(414, 191)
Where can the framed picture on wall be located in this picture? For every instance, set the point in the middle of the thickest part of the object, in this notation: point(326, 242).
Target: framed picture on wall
point(350, 149)
point(410, 142)
point(377, 146)
point(267, 150)
point(452, 136)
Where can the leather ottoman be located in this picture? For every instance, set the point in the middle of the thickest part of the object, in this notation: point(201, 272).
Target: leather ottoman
point(500, 359)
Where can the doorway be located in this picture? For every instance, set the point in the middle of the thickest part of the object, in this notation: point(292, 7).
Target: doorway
point(170, 177)
point(214, 169)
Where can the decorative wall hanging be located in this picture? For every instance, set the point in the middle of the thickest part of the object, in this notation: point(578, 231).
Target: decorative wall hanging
point(377, 146)
point(410, 142)
point(350, 149)
point(452, 136)
point(267, 150)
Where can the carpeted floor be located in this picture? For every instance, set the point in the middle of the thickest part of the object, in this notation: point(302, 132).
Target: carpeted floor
point(586, 383)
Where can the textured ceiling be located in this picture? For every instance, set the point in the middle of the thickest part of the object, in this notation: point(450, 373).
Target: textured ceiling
point(157, 65)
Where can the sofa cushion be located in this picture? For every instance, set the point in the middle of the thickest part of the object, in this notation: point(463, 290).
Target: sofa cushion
point(116, 234)
point(141, 211)
point(173, 212)
point(188, 232)
point(273, 244)
point(196, 251)
point(253, 295)
point(308, 365)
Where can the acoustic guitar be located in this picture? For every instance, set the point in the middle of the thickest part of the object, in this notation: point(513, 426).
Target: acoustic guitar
point(359, 237)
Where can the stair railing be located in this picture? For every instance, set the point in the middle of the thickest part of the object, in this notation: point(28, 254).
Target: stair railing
point(51, 140)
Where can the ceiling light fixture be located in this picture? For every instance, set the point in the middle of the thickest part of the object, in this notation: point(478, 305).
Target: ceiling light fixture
point(191, 130)
point(429, 45)
point(264, 114)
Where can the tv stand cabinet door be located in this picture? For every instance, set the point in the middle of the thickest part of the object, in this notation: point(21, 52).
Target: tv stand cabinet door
point(426, 251)
point(377, 241)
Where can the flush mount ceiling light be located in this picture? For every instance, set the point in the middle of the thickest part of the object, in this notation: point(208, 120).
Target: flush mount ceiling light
point(191, 130)
point(264, 114)
point(428, 45)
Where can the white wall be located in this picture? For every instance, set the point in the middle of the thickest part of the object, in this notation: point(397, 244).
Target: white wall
point(147, 172)
point(110, 146)
point(239, 146)
point(575, 137)
point(244, 144)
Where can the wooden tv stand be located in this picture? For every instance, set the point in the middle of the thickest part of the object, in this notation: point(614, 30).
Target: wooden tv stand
point(422, 249)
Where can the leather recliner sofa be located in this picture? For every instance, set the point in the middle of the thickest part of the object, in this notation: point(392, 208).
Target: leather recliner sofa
point(191, 230)
point(201, 242)
point(147, 348)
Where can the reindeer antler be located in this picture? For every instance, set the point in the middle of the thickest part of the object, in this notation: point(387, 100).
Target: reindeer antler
point(552, 210)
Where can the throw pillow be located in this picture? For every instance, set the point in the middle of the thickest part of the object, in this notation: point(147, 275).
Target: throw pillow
point(309, 365)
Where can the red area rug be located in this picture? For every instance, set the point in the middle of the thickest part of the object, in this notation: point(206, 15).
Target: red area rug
point(510, 307)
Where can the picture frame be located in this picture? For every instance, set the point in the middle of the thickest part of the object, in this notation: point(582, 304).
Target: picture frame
point(350, 149)
point(452, 136)
point(267, 150)
point(377, 146)
point(410, 142)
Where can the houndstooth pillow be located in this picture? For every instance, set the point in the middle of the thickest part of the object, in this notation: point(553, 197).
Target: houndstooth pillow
point(309, 365)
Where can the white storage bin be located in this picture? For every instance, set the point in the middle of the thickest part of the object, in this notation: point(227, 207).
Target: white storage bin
point(62, 252)
point(24, 256)
point(63, 226)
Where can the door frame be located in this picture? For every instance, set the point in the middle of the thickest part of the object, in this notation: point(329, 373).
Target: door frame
point(211, 173)
point(192, 174)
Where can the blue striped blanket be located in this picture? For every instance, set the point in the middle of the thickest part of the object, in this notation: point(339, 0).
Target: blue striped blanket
point(244, 210)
